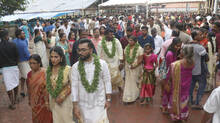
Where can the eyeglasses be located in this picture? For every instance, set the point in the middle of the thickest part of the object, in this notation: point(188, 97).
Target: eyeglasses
point(82, 50)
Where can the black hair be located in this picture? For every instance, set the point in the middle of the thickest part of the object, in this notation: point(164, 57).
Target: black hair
point(175, 33)
point(210, 35)
point(180, 26)
point(88, 41)
point(59, 31)
point(172, 24)
point(194, 33)
point(60, 52)
point(203, 30)
point(129, 29)
point(144, 27)
point(134, 38)
point(148, 44)
point(107, 31)
point(174, 43)
point(65, 21)
point(95, 29)
point(154, 30)
point(37, 58)
point(82, 30)
point(18, 32)
point(36, 31)
point(101, 28)
point(69, 36)
point(61, 35)
point(115, 23)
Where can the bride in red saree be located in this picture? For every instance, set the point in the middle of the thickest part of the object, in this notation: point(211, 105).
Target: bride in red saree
point(37, 93)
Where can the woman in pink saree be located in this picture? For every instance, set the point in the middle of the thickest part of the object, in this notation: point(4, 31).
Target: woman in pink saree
point(181, 76)
point(171, 56)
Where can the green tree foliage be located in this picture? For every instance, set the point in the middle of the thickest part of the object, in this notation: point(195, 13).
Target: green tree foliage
point(8, 7)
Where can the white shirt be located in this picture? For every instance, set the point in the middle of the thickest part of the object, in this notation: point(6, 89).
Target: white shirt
point(38, 27)
point(86, 26)
point(154, 26)
point(97, 24)
point(112, 62)
point(168, 32)
point(97, 98)
point(66, 30)
point(158, 41)
point(212, 105)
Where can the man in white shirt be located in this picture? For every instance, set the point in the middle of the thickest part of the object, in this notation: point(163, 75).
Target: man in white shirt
point(153, 25)
point(114, 58)
point(212, 107)
point(66, 28)
point(158, 41)
point(38, 26)
point(91, 86)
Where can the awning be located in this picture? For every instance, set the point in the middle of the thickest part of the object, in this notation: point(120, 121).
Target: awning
point(173, 1)
point(46, 15)
point(123, 3)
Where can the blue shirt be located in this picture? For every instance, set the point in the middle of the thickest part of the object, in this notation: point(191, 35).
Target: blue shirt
point(143, 41)
point(23, 52)
point(48, 28)
point(118, 34)
point(25, 29)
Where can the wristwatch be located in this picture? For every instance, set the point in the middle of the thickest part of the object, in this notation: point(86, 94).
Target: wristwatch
point(108, 100)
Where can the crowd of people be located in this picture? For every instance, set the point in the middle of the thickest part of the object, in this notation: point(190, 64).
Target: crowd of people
point(77, 64)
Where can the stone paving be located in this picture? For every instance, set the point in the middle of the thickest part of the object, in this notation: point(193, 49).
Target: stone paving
point(118, 113)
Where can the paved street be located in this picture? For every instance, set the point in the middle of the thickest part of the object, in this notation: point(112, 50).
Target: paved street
point(119, 113)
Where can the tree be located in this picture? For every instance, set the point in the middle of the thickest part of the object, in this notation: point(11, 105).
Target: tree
point(7, 7)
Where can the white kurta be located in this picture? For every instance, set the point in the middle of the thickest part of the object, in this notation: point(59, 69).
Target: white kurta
point(92, 104)
point(113, 63)
point(158, 41)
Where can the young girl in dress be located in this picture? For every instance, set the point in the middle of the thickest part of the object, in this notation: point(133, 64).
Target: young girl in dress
point(149, 79)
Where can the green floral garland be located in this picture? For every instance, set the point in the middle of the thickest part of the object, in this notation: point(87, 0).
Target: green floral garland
point(106, 49)
point(93, 87)
point(59, 83)
point(134, 53)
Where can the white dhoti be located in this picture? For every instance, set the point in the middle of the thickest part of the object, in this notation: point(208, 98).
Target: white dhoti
point(94, 115)
point(10, 77)
point(24, 68)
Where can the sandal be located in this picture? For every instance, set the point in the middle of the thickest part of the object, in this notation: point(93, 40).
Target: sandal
point(22, 94)
point(12, 107)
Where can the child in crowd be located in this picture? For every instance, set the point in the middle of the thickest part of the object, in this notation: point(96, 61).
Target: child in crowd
point(149, 79)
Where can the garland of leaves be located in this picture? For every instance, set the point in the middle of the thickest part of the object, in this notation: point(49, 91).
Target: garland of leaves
point(93, 87)
point(134, 53)
point(112, 54)
point(59, 83)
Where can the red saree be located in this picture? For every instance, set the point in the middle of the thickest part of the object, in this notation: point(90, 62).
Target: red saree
point(38, 96)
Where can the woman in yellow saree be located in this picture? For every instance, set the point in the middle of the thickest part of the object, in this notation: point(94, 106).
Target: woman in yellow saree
point(58, 86)
point(38, 96)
